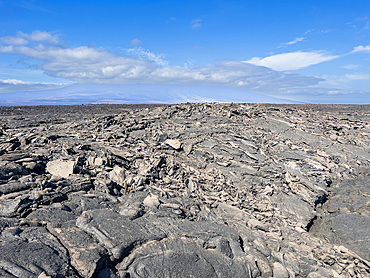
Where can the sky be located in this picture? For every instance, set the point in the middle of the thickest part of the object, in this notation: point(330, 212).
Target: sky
point(306, 51)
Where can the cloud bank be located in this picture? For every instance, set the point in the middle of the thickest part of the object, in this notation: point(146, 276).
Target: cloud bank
point(361, 48)
point(95, 65)
point(292, 60)
point(36, 36)
point(14, 85)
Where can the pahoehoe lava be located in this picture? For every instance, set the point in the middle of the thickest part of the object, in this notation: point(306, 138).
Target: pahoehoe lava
point(187, 190)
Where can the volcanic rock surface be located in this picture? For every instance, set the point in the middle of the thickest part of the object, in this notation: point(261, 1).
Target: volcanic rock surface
point(189, 190)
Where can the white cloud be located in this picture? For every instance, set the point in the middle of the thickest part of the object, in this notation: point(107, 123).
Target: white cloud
point(189, 63)
point(95, 65)
point(358, 76)
point(299, 39)
point(350, 66)
point(136, 42)
point(361, 48)
point(292, 60)
point(365, 18)
point(14, 40)
point(142, 53)
point(15, 82)
point(14, 85)
point(36, 36)
point(41, 36)
point(196, 23)
point(360, 22)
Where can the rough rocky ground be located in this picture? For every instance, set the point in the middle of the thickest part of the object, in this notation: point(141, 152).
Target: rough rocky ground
point(190, 190)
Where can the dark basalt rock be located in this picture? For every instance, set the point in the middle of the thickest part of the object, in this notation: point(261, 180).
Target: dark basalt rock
point(180, 257)
point(188, 190)
point(29, 258)
point(10, 169)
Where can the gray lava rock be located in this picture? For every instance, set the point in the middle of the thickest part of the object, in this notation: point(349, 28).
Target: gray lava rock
point(21, 258)
point(115, 232)
point(13, 186)
point(244, 190)
point(180, 257)
point(9, 169)
point(61, 168)
point(86, 256)
point(348, 229)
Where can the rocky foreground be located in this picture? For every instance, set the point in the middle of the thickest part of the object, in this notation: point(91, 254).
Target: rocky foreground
point(190, 190)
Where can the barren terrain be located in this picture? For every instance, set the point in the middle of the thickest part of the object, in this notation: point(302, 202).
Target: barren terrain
point(188, 190)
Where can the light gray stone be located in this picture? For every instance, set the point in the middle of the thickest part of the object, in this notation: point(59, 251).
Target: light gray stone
point(60, 168)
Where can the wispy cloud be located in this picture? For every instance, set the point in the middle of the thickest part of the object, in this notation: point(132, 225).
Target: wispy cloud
point(30, 5)
point(361, 48)
point(361, 23)
point(135, 42)
point(358, 76)
point(292, 60)
point(146, 54)
point(296, 40)
point(14, 85)
point(350, 66)
point(365, 18)
point(196, 23)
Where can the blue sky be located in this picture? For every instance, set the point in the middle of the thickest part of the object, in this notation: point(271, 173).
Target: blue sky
point(304, 51)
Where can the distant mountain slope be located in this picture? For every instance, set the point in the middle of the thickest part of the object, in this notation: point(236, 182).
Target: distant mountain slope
point(135, 93)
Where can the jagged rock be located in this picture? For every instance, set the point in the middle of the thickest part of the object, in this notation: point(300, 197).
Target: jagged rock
point(9, 206)
point(280, 271)
point(294, 206)
point(9, 169)
point(258, 191)
point(151, 201)
point(174, 143)
point(44, 275)
point(117, 175)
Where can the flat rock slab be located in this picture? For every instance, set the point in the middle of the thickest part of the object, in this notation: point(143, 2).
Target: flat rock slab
point(51, 215)
point(180, 257)
point(348, 229)
point(293, 205)
point(87, 257)
point(60, 168)
point(20, 258)
point(205, 230)
point(13, 186)
point(115, 232)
